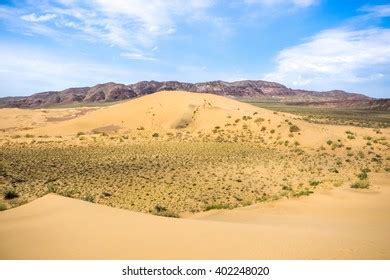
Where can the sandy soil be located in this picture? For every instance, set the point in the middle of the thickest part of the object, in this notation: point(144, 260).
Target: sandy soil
point(337, 224)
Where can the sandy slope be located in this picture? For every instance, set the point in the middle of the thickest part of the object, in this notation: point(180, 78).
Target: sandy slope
point(342, 223)
point(14, 119)
point(163, 111)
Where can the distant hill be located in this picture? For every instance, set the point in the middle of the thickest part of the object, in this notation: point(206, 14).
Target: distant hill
point(248, 89)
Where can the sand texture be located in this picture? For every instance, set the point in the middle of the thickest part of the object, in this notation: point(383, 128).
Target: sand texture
point(338, 224)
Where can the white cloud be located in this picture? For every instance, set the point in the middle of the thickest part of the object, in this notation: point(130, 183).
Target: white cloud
point(297, 3)
point(137, 56)
point(24, 70)
point(130, 25)
point(377, 11)
point(34, 18)
point(334, 56)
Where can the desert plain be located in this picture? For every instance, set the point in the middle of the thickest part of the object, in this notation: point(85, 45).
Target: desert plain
point(180, 175)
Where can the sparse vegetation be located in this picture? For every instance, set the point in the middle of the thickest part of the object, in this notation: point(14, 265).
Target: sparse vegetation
point(162, 211)
point(303, 193)
point(3, 207)
point(10, 194)
point(242, 160)
point(338, 116)
point(314, 183)
point(294, 128)
point(216, 207)
point(88, 197)
point(361, 184)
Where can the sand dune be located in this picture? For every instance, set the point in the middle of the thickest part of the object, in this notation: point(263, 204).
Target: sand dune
point(162, 110)
point(321, 226)
point(13, 119)
point(170, 110)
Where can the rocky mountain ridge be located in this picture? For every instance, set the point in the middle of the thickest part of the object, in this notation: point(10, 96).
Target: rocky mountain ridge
point(248, 89)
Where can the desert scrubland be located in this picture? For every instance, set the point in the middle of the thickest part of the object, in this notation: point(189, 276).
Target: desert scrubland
point(240, 169)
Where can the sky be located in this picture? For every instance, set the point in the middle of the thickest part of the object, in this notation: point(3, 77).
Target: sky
point(303, 44)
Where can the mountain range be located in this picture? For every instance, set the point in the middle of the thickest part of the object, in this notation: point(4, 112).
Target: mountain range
point(255, 90)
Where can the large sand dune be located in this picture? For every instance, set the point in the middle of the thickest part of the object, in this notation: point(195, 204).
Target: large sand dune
point(162, 110)
point(167, 111)
point(338, 224)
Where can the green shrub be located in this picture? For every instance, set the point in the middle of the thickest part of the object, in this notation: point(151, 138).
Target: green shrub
point(302, 193)
point(10, 194)
point(259, 120)
point(89, 198)
point(362, 175)
point(314, 183)
point(3, 207)
point(361, 184)
point(294, 128)
point(163, 211)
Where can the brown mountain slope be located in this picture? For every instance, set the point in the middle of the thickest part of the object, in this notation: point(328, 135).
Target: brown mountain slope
point(248, 89)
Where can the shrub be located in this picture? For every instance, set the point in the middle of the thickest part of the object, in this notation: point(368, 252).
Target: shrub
point(362, 175)
point(259, 120)
point(10, 194)
point(3, 207)
point(314, 183)
point(301, 193)
point(294, 128)
point(155, 134)
point(162, 211)
point(80, 133)
point(360, 154)
point(89, 198)
point(361, 184)
point(333, 170)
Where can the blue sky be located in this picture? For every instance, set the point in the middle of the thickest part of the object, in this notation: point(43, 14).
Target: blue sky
point(307, 44)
